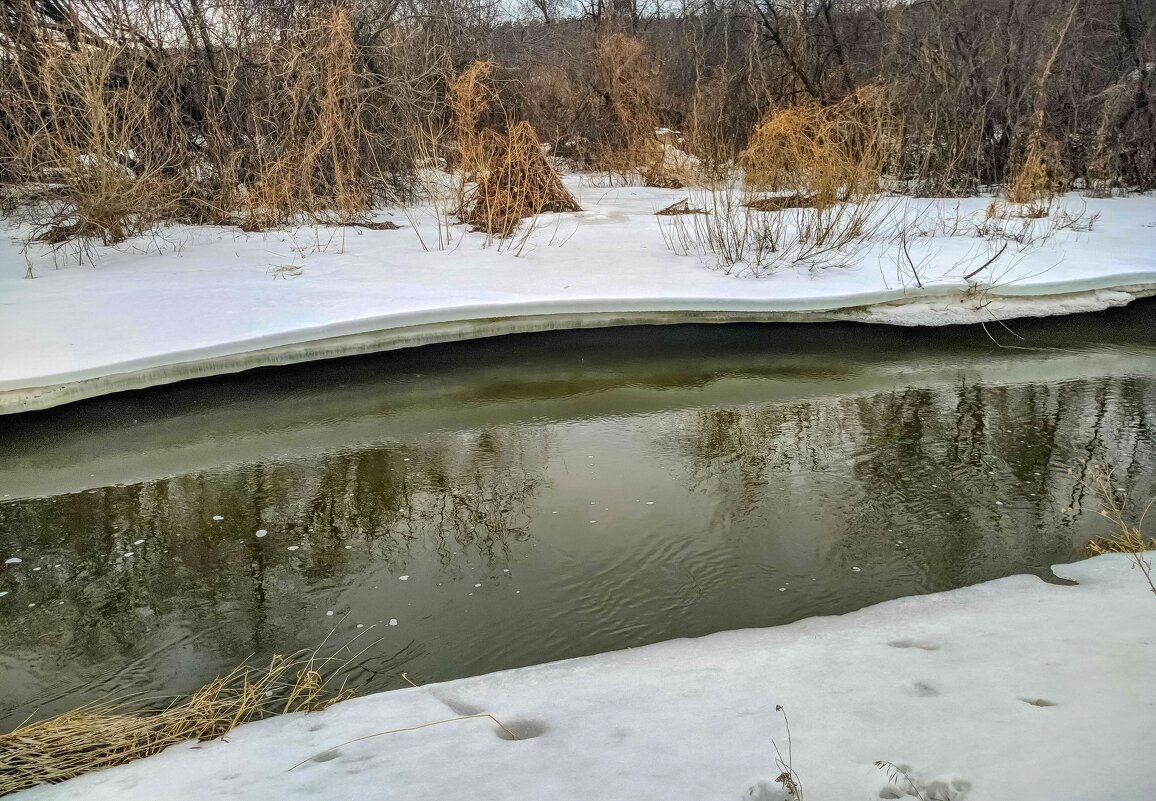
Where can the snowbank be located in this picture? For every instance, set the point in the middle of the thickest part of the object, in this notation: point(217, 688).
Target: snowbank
point(197, 302)
point(1014, 690)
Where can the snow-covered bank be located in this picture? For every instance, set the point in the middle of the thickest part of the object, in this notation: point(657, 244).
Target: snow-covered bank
point(1011, 690)
point(200, 302)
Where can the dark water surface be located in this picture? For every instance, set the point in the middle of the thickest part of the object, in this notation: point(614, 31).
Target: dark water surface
point(550, 496)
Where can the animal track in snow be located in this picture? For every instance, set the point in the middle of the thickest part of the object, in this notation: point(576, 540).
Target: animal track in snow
point(1039, 702)
point(922, 645)
point(921, 689)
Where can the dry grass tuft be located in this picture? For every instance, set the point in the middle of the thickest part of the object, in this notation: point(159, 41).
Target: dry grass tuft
point(505, 177)
point(1128, 537)
point(104, 735)
point(517, 182)
point(737, 235)
point(1040, 177)
point(832, 152)
point(471, 96)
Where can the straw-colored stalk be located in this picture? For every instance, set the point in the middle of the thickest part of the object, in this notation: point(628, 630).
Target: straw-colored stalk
point(107, 734)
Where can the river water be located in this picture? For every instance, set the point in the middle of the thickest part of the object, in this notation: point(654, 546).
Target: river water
point(466, 508)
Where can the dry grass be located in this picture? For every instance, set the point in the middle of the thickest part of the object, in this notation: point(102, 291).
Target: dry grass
point(735, 236)
point(471, 96)
point(104, 735)
point(517, 182)
point(505, 176)
point(830, 152)
point(1039, 174)
point(626, 79)
point(314, 167)
point(1128, 537)
point(80, 124)
point(258, 127)
point(1038, 178)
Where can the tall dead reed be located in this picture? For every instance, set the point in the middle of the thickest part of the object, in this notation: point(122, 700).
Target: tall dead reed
point(313, 164)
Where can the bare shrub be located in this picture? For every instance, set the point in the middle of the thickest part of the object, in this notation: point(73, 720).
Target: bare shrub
point(832, 152)
point(92, 130)
point(735, 236)
point(630, 140)
point(206, 113)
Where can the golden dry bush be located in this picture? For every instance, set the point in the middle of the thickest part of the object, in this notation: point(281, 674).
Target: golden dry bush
point(627, 79)
point(471, 96)
point(517, 181)
point(631, 141)
point(831, 152)
point(105, 735)
point(314, 164)
point(1040, 176)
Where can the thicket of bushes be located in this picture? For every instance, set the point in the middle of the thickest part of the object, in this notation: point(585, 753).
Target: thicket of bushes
point(115, 115)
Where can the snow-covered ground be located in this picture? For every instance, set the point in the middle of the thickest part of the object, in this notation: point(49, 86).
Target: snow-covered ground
point(200, 301)
point(1014, 690)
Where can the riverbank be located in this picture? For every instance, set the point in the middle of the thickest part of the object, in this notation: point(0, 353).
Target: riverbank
point(195, 302)
point(1013, 689)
